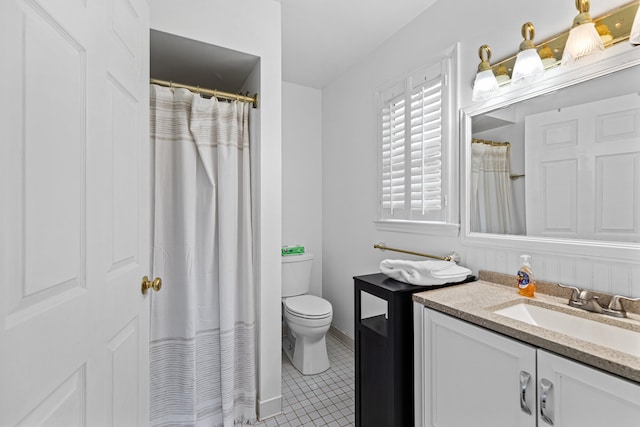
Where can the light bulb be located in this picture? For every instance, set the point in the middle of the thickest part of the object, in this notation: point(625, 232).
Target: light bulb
point(583, 44)
point(528, 67)
point(485, 85)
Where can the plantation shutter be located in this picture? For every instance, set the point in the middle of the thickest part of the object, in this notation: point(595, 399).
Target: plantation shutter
point(426, 150)
point(393, 154)
point(411, 148)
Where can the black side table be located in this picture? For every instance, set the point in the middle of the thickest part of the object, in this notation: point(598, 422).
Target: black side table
point(384, 353)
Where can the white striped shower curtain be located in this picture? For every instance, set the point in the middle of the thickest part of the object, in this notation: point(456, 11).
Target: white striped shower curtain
point(491, 201)
point(203, 320)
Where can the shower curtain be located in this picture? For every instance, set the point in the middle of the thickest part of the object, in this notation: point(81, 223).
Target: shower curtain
point(202, 350)
point(490, 189)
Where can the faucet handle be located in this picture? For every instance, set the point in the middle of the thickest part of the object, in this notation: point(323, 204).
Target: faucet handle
point(585, 295)
point(615, 303)
point(576, 293)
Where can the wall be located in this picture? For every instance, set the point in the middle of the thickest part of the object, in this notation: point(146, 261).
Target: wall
point(252, 27)
point(349, 147)
point(302, 173)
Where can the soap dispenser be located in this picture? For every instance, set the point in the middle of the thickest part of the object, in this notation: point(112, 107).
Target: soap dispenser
point(526, 282)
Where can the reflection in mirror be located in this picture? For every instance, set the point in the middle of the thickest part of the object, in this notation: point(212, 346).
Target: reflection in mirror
point(565, 164)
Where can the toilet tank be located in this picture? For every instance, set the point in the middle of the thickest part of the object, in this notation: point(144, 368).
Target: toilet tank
point(296, 274)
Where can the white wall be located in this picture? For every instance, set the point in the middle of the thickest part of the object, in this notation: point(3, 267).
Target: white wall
point(350, 159)
point(252, 27)
point(302, 173)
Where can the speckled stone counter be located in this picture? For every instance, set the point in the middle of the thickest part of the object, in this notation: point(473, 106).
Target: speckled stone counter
point(476, 302)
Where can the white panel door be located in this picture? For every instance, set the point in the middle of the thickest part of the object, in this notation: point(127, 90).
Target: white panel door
point(583, 171)
point(473, 377)
point(579, 396)
point(74, 221)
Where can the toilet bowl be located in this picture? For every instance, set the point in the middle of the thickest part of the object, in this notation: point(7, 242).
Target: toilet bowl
point(307, 317)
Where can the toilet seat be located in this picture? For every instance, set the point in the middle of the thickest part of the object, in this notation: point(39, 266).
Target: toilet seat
point(308, 307)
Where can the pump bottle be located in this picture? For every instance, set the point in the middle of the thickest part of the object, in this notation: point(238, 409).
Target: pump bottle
point(526, 281)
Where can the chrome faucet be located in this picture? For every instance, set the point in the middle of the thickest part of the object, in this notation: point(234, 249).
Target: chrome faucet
point(583, 299)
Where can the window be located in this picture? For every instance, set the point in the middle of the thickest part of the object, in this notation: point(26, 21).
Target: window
point(416, 137)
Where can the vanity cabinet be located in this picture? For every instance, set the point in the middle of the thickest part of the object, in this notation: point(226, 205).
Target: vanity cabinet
point(469, 376)
point(584, 396)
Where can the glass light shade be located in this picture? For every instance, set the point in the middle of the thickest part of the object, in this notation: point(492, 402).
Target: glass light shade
point(528, 67)
point(583, 45)
point(485, 86)
point(634, 37)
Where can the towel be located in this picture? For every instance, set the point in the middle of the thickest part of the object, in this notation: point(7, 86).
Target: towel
point(424, 273)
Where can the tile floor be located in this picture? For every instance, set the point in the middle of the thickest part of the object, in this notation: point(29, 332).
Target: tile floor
point(326, 399)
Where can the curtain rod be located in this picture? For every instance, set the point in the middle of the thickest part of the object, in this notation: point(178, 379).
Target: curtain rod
point(210, 92)
point(451, 257)
point(492, 143)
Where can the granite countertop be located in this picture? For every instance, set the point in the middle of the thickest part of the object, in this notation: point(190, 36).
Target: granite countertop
point(476, 302)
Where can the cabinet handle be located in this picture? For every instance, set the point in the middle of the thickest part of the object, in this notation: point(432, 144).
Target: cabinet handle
point(545, 388)
point(525, 378)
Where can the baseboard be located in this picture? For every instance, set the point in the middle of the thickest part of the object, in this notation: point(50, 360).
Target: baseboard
point(342, 337)
point(269, 408)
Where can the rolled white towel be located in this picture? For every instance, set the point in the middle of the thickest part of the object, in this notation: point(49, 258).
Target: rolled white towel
point(454, 270)
point(424, 273)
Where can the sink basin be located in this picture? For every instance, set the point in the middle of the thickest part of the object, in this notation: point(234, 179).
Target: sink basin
point(602, 334)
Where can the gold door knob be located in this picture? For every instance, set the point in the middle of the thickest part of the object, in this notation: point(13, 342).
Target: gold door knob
point(156, 284)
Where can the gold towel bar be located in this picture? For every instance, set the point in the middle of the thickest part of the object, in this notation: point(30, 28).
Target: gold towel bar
point(451, 257)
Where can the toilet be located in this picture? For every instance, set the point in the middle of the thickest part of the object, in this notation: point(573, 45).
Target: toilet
point(307, 317)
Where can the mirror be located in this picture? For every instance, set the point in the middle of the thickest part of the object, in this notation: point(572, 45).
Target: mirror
point(563, 164)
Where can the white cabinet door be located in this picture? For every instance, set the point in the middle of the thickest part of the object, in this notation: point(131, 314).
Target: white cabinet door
point(575, 395)
point(473, 377)
point(74, 221)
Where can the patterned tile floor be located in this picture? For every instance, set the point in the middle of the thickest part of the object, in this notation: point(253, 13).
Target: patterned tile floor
point(325, 399)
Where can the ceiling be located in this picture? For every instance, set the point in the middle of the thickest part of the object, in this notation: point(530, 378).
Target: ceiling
point(321, 39)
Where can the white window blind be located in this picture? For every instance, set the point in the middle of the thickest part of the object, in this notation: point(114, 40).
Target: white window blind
point(411, 150)
point(393, 154)
point(426, 147)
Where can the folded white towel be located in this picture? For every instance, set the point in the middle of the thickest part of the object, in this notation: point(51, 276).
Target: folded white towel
point(424, 273)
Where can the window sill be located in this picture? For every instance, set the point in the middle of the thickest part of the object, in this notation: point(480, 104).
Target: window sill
point(418, 227)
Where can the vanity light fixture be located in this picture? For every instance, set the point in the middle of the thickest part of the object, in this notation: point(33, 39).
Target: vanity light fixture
point(528, 67)
point(485, 85)
point(584, 43)
point(634, 37)
point(613, 27)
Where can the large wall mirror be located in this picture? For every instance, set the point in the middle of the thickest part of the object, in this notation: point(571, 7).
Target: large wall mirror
point(558, 163)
